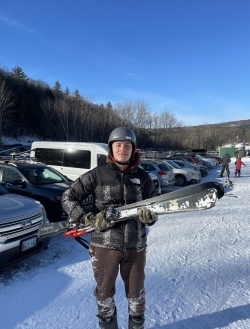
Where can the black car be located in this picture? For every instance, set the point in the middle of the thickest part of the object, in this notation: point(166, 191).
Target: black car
point(39, 182)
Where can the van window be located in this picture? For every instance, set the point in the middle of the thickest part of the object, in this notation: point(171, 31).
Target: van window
point(51, 157)
point(101, 159)
point(77, 159)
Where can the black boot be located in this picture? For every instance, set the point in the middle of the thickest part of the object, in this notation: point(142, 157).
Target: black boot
point(108, 323)
point(136, 322)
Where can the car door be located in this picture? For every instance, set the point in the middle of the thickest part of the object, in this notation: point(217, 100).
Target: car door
point(14, 181)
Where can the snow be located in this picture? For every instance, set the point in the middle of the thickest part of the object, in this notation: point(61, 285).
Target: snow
point(24, 140)
point(197, 273)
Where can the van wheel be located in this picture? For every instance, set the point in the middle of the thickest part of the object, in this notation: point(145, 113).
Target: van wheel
point(180, 180)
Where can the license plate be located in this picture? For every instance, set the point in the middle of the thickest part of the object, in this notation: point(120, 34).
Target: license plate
point(29, 243)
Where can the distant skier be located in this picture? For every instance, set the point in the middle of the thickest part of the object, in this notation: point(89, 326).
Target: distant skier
point(236, 154)
point(225, 163)
point(238, 164)
point(121, 246)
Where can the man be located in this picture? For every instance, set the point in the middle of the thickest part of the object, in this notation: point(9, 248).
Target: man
point(225, 163)
point(121, 245)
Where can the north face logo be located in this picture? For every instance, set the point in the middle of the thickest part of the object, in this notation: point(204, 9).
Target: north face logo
point(136, 181)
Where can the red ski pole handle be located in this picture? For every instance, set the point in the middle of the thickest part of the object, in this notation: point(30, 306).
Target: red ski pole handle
point(76, 232)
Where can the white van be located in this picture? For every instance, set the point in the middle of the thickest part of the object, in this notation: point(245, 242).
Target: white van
point(69, 158)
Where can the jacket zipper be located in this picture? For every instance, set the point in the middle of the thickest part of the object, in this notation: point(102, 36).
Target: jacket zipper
point(123, 226)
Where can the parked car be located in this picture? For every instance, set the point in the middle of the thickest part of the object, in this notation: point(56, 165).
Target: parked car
point(164, 173)
point(39, 182)
point(156, 183)
point(201, 162)
point(203, 169)
point(187, 165)
point(20, 218)
point(210, 163)
point(210, 155)
point(184, 176)
point(5, 155)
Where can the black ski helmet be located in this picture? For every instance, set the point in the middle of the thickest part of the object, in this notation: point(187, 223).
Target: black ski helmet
point(122, 134)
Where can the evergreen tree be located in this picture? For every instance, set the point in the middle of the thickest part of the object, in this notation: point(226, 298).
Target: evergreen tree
point(76, 93)
point(66, 91)
point(19, 74)
point(57, 86)
point(109, 106)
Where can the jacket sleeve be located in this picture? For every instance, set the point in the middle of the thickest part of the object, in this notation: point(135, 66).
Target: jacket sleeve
point(73, 197)
point(149, 192)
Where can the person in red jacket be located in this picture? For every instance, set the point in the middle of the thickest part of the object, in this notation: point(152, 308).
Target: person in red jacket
point(238, 164)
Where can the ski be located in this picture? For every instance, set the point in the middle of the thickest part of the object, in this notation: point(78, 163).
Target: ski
point(199, 197)
point(227, 182)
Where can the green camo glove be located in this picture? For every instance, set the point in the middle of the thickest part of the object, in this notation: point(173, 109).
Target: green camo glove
point(97, 222)
point(147, 217)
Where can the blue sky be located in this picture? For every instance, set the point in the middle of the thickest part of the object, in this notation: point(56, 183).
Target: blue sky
point(190, 57)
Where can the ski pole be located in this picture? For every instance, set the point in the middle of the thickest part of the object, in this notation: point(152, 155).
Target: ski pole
point(77, 232)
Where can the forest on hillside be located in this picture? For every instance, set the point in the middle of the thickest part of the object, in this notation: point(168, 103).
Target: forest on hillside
point(32, 107)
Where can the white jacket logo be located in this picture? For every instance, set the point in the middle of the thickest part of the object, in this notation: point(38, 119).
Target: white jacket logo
point(135, 181)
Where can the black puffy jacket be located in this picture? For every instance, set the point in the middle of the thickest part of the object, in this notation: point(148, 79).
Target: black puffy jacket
point(111, 188)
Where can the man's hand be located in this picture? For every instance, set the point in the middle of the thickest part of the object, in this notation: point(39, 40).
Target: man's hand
point(147, 217)
point(98, 222)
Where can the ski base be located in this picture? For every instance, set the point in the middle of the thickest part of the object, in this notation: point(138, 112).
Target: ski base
point(198, 197)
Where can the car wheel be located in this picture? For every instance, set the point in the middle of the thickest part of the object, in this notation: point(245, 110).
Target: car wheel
point(180, 180)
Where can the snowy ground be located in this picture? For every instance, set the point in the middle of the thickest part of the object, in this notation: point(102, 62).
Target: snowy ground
point(197, 274)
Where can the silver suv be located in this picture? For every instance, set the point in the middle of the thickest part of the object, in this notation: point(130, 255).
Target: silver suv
point(156, 183)
point(164, 173)
point(20, 218)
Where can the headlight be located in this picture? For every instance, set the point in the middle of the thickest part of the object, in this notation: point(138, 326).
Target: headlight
point(45, 218)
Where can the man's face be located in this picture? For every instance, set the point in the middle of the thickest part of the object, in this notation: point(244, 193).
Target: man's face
point(122, 151)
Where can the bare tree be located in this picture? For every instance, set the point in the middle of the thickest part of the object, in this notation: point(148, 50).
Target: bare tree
point(47, 106)
point(134, 113)
point(7, 102)
point(62, 109)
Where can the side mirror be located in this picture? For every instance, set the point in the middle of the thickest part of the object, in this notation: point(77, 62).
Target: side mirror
point(3, 184)
point(19, 182)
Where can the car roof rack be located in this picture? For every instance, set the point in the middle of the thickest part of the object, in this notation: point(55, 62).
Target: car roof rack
point(21, 160)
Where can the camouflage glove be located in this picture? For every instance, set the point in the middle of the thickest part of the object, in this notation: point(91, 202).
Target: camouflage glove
point(98, 222)
point(147, 217)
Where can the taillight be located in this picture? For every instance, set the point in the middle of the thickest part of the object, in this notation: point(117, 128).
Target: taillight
point(162, 173)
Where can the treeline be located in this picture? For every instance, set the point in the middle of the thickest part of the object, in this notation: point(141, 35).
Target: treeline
point(32, 107)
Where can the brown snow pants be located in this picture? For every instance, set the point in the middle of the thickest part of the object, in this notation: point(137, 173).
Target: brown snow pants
point(106, 264)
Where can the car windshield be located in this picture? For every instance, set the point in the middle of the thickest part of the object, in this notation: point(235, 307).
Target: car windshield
point(173, 164)
point(164, 166)
point(41, 176)
point(3, 191)
point(187, 164)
